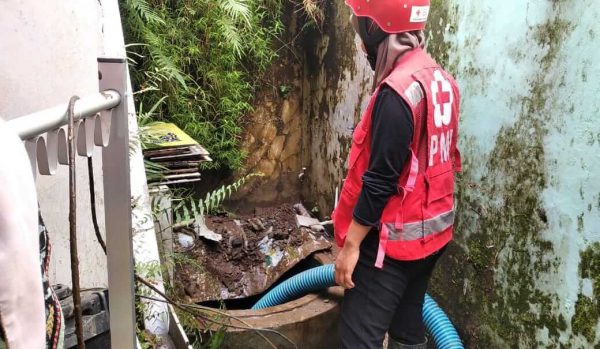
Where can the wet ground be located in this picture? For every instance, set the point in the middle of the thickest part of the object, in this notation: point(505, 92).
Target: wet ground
point(255, 250)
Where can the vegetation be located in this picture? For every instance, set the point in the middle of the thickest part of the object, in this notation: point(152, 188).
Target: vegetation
point(205, 327)
point(196, 63)
point(202, 58)
point(188, 208)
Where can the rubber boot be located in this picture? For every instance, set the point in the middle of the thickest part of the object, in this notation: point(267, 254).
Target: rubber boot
point(394, 344)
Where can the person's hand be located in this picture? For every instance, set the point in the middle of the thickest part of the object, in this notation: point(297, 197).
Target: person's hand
point(345, 264)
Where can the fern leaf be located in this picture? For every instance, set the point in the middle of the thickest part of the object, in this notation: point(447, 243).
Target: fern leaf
point(177, 216)
point(231, 36)
point(237, 10)
point(186, 214)
point(207, 204)
point(169, 68)
point(201, 206)
point(194, 209)
point(143, 9)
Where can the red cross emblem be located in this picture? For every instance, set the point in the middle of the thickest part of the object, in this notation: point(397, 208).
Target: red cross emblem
point(442, 97)
point(441, 91)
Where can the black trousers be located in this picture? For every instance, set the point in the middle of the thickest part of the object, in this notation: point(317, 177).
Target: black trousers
point(385, 300)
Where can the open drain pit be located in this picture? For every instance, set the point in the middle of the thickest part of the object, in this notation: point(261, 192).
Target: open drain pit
point(254, 251)
point(257, 252)
point(247, 303)
point(306, 322)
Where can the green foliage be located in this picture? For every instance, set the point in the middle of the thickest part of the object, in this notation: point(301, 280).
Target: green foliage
point(202, 57)
point(200, 336)
point(154, 171)
point(147, 340)
point(284, 90)
point(188, 209)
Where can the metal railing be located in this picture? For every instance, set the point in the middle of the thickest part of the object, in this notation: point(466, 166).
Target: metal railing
point(35, 124)
point(110, 105)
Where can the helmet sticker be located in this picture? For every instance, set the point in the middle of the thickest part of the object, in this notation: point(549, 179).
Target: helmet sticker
point(419, 14)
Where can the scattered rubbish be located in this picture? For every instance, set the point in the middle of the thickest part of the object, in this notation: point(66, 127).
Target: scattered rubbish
point(273, 254)
point(308, 321)
point(168, 146)
point(185, 241)
point(253, 253)
point(204, 232)
point(312, 223)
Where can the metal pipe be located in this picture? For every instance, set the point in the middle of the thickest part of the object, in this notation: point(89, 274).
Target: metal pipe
point(35, 124)
point(117, 210)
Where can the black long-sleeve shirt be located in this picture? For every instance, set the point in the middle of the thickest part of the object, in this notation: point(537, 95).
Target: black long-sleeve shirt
point(391, 134)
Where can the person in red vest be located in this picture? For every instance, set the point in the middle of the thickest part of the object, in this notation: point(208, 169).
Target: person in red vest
point(395, 214)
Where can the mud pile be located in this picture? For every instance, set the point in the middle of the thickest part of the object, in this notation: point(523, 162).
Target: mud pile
point(255, 250)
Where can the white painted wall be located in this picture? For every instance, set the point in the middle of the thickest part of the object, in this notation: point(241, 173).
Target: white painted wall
point(48, 53)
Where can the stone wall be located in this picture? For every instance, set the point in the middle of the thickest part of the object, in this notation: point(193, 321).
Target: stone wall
point(300, 140)
point(273, 142)
point(273, 131)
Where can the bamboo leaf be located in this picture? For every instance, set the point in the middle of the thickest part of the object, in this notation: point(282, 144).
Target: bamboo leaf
point(178, 216)
point(186, 214)
point(237, 10)
point(144, 11)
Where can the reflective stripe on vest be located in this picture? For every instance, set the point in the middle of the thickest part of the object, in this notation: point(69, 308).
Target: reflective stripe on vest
point(419, 230)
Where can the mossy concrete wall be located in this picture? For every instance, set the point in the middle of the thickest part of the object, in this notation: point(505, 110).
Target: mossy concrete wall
point(336, 89)
point(524, 270)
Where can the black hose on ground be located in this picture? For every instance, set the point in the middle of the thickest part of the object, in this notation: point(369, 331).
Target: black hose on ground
point(90, 164)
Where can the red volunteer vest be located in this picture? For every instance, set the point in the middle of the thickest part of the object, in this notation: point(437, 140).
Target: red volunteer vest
point(417, 221)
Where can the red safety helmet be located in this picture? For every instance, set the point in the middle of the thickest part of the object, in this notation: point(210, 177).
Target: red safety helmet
point(393, 16)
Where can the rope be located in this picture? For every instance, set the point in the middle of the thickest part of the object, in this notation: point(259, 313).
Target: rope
point(73, 227)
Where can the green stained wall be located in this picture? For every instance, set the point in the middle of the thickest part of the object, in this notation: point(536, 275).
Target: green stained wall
point(525, 269)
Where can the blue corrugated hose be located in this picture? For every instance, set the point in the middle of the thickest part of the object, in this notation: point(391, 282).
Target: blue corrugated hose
point(437, 323)
point(311, 280)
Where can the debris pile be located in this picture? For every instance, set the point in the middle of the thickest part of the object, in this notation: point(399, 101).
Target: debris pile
point(253, 252)
point(178, 154)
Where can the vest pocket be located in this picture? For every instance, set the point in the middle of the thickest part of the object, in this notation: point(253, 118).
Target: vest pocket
point(343, 213)
point(440, 184)
point(358, 138)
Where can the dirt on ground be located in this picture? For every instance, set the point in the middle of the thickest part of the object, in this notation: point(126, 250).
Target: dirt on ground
point(254, 251)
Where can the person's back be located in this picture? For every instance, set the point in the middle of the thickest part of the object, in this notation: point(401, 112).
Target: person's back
point(395, 214)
